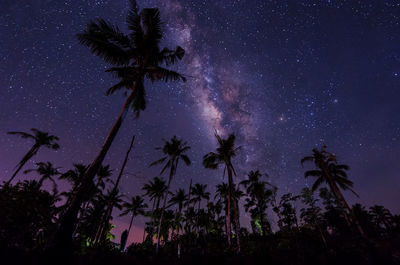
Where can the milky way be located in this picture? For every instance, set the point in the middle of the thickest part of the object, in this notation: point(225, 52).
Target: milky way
point(284, 76)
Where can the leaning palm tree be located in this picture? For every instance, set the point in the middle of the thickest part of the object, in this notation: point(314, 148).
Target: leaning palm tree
point(135, 207)
point(47, 171)
point(199, 192)
point(174, 151)
point(225, 151)
point(41, 139)
point(329, 171)
point(135, 57)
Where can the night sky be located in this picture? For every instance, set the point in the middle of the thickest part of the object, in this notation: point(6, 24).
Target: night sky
point(284, 76)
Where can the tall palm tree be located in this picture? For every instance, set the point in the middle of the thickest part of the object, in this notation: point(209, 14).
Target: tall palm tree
point(199, 192)
point(329, 171)
point(47, 171)
point(225, 151)
point(135, 57)
point(135, 207)
point(174, 151)
point(41, 139)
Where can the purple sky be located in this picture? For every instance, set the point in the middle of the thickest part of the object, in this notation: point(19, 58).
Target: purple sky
point(285, 76)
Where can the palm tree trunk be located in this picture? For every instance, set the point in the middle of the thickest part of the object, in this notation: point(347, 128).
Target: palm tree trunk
point(229, 204)
point(234, 204)
point(110, 205)
point(63, 236)
point(162, 215)
point(344, 205)
point(130, 225)
point(23, 161)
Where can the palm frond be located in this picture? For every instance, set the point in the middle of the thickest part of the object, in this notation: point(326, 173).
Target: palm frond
point(170, 57)
point(22, 134)
point(306, 159)
point(159, 161)
point(317, 183)
point(186, 159)
point(106, 41)
point(152, 25)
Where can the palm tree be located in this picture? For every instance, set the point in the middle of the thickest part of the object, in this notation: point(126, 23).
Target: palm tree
point(155, 189)
point(199, 192)
point(380, 215)
point(103, 175)
point(135, 57)
point(329, 171)
point(135, 207)
point(179, 198)
point(225, 151)
point(257, 201)
point(47, 172)
point(41, 139)
point(173, 150)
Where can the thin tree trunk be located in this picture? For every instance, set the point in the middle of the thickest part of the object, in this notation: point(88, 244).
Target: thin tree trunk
point(234, 204)
point(162, 215)
point(63, 236)
point(23, 161)
point(130, 225)
point(110, 205)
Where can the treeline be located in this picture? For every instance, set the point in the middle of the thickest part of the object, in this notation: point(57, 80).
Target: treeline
point(316, 225)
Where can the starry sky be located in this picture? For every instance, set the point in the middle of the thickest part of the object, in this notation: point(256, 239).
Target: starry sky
point(284, 76)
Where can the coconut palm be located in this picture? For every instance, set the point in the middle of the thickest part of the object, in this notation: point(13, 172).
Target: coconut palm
point(179, 198)
point(225, 151)
point(198, 193)
point(329, 171)
point(135, 207)
point(47, 171)
point(41, 139)
point(103, 175)
point(174, 151)
point(380, 216)
point(155, 189)
point(135, 57)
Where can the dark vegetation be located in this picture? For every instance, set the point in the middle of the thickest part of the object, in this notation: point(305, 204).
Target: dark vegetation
point(186, 226)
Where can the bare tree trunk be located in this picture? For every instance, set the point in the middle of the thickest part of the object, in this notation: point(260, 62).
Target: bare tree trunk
point(110, 206)
point(63, 236)
point(23, 161)
point(162, 214)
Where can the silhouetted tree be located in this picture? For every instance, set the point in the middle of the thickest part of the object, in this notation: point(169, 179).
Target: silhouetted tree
point(47, 171)
point(174, 151)
point(334, 174)
point(225, 151)
point(135, 57)
point(41, 139)
point(135, 207)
